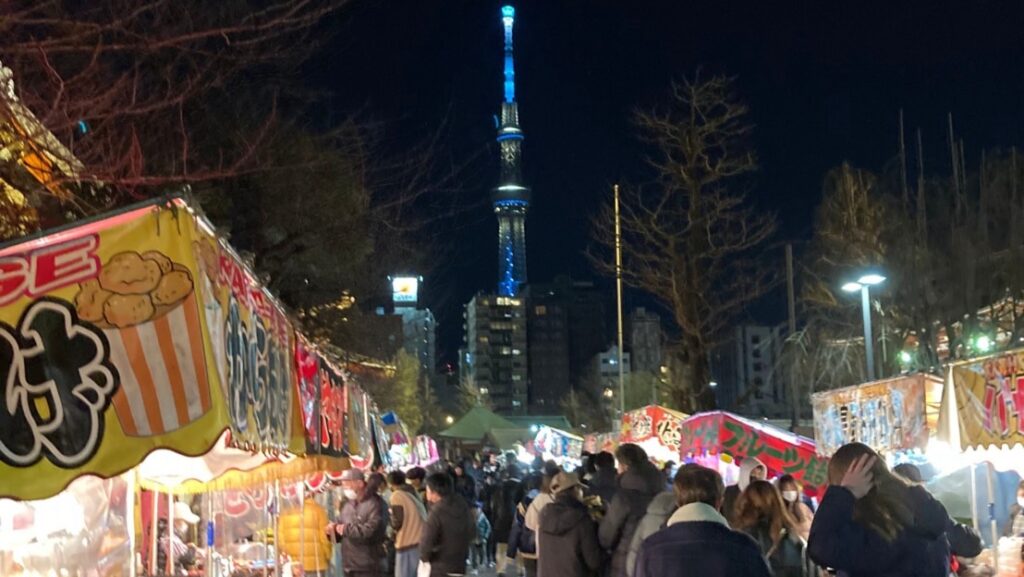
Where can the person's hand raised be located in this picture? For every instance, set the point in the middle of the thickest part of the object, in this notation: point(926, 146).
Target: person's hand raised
point(858, 478)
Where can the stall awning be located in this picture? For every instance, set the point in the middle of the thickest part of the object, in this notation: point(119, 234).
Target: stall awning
point(475, 424)
point(781, 451)
point(507, 439)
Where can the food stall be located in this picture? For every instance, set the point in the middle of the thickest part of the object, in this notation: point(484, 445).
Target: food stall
point(656, 429)
point(982, 423)
point(717, 439)
point(148, 368)
point(890, 416)
point(560, 446)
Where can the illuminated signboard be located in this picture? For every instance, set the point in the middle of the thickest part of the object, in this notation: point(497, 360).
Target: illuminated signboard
point(404, 289)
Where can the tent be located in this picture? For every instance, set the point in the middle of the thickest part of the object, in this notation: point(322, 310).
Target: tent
point(475, 424)
point(654, 428)
point(507, 439)
point(719, 432)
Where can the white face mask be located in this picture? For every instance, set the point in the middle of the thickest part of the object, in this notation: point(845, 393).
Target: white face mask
point(790, 496)
point(1020, 501)
point(350, 494)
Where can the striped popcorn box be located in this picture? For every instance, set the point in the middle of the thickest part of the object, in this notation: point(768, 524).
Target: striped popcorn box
point(162, 364)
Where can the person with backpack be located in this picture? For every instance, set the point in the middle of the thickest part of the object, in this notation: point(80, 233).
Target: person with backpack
point(568, 535)
point(408, 516)
point(761, 513)
point(522, 542)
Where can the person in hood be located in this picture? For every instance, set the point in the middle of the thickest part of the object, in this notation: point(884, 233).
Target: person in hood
point(874, 523)
point(362, 527)
point(656, 518)
point(1015, 524)
point(750, 470)
point(568, 536)
point(449, 530)
point(605, 481)
point(698, 541)
point(639, 482)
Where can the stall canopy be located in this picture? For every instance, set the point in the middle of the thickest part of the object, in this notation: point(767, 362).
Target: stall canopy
point(507, 439)
point(654, 428)
point(888, 415)
point(780, 451)
point(983, 410)
point(475, 424)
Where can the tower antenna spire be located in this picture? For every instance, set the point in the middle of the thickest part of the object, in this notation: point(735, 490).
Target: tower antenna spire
point(511, 198)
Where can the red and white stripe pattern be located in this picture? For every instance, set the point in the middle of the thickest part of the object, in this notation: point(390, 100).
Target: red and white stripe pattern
point(164, 383)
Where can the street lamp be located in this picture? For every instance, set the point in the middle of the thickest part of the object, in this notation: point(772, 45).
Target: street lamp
point(863, 285)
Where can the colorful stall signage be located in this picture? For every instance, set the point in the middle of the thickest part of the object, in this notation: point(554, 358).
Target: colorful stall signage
point(102, 350)
point(558, 444)
point(780, 451)
point(254, 345)
point(331, 431)
point(307, 369)
point(889, 415)
point(653, 422)
point(990, 401)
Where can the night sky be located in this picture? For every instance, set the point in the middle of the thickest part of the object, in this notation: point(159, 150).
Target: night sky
point(824, 80)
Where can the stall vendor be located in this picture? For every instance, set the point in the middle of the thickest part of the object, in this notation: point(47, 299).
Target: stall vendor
point(1015, 524)
point(184, 554)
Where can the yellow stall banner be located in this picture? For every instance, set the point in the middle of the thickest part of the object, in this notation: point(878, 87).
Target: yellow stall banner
point(104, 351)
point(990, 400)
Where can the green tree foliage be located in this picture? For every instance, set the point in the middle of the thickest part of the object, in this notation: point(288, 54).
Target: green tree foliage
point(401, 391)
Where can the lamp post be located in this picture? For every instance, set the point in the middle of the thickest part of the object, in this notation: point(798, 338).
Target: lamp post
point(863, 285)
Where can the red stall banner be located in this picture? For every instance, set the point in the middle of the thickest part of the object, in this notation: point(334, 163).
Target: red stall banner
point(781, 451)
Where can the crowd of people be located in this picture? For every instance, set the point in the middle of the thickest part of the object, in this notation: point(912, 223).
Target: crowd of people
point(620, 516)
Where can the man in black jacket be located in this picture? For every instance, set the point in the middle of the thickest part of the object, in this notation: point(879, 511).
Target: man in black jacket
point(361, 528)
point(506, 496)
point(449, 529)
point(639, 483)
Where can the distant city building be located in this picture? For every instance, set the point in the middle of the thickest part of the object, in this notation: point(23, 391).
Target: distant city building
point(494, 357)
point(547, 330)
point(602, 376)
point(644, 345)
point(419, 328)
point(746, 369)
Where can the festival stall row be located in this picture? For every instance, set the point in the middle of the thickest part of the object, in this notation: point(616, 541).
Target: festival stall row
point(139, 349)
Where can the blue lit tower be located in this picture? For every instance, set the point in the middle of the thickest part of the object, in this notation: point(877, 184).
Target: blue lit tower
point(511, 198)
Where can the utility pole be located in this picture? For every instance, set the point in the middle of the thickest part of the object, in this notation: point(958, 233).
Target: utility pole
point(790, 295)
point(618, 299)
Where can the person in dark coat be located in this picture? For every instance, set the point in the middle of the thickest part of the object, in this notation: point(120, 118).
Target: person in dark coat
point(698, 541)
point(960, 540)
point(605, 481)
point(506, 496)
point(873, 523)
point(449, 530)
point(567, 538)
point(751, 469)
point(361, 527)
point(465, 485)
point(639, 483)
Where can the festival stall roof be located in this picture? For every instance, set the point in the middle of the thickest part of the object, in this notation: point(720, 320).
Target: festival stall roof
point(888, 415)
point(983, 410)
point(780, 451)
point(506, 439)
point(553, 421)
point(475, 424)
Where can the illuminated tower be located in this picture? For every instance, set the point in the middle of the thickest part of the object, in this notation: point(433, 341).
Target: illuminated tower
point(511, 199)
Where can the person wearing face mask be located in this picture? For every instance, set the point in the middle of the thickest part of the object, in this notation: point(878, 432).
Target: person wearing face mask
point(750, 470)
point(801, 513)
point(183, 555)
point(361, 527)
point(1015, 524)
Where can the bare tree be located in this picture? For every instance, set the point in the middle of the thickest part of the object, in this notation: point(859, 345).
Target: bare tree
point(691, 238)
point(127, 85)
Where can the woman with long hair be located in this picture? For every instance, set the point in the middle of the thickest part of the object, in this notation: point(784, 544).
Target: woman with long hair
point(790, 489)
point(761, 513)
point(874, 523)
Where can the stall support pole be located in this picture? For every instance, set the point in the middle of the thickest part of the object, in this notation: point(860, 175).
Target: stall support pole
point(170, 534)
point(129, 519)
point(210, 535)
point(155, 506)
point(992, 517)
point(974, 500)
